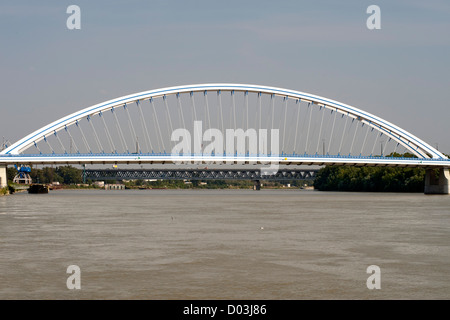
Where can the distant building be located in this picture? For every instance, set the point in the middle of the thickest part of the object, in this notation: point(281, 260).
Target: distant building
point(115, 186)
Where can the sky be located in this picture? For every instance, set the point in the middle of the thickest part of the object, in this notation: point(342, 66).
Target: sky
point(399, 72)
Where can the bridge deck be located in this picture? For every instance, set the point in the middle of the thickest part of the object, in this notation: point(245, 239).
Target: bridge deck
point(220, 159)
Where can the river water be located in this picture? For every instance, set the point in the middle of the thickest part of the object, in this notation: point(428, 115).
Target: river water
point(224, 244)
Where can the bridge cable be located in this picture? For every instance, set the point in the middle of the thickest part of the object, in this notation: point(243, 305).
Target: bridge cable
point(169, 119)
point(396, 146)
point(246, 109)
point(350, 128)
point(193, 106)
point(35, 144)
point(343, 133)
point(86, 144)
point(132, 131)
point(234, 110)
point(199, 138)
point(207, 108)
point(320, 130)
point(328, 125)
point(72, 141)
point(375, 142)
point(259, 103)
point(155, 119)
point(97, 140)
point(309, 126)
point(51, 149)
point(59, 140)
point(148, 142)
point(110, 140)
point(365, 137)
point(332, 131)
point(353, 141)
point(284, 125)
point(220, 114)
point(296, 127)
point(119, 129)
point(290, 124)
point(182, 116)
point(303, 126)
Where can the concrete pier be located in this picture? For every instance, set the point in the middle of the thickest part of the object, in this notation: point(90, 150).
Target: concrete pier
point(3, 176)
point(437, 183)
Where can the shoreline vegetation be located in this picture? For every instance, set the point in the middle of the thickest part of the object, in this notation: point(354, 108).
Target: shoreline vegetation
point(68, 177)
point(329, 178)
point(371, 179)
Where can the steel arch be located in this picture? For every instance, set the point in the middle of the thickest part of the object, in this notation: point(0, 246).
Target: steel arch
point(412, 143)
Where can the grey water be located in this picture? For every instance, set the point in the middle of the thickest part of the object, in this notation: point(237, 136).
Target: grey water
point(224, 244)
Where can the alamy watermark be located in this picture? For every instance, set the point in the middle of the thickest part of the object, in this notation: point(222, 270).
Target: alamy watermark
point(374, 280)
point(374, 20)
point(74, 20)
point(74, 280)
point(236, 146)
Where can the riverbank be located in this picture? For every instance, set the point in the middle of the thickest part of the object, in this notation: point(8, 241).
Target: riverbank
point(24, 188)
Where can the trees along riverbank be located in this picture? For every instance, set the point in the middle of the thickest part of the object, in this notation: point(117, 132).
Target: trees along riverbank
point(371, 179)
point(329, 178)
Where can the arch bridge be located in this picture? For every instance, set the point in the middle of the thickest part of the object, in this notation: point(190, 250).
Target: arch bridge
point(230, 124)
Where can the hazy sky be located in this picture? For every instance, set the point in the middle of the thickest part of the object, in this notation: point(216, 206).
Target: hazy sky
point(400, 73)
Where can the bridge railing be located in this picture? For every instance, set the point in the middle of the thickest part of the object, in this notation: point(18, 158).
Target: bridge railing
point(165, 154)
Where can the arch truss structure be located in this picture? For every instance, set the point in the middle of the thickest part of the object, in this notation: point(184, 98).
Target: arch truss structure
point(291, 127)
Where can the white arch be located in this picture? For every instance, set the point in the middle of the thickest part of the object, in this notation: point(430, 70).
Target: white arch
point(412, 143)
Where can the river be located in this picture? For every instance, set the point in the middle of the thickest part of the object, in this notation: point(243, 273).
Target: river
point(224, 244)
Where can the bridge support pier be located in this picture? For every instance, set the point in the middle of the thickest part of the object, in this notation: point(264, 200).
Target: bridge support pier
point(257, 185)
point(3, 176)
point(437, 183)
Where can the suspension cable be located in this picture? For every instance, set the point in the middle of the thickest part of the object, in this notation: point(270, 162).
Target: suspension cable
point(284, 125)
point(296, 127)
point(59, 140)
point(234, 109)
point(110, 140)
point(365, 138)
point(51, 149)
point(86, 144)
point(119, 129)
point(309, 126)
point(169, 119)
point(132, 131)
point(375, 142)
point(343, 133)
point(97, 140)
point(353, 141)
point(320, 130)
point(72, 141)
point(148, 142)
point(35, 144)
point(155, 119)
point(220, 114)
point(207, 109)
point(332, 131)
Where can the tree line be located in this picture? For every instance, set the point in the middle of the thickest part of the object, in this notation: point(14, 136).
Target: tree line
point(371, 179)
point(46, 175)
point(329, 178)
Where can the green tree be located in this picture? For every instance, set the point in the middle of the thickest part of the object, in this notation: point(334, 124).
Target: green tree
point(70, 175)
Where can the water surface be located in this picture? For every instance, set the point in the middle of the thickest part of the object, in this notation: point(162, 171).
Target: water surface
point(224, 244)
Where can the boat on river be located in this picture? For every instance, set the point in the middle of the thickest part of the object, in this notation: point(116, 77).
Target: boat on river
point(38, 188)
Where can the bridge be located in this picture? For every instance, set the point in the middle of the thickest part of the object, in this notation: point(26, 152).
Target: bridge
point(230, 124)
point(199, 174)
